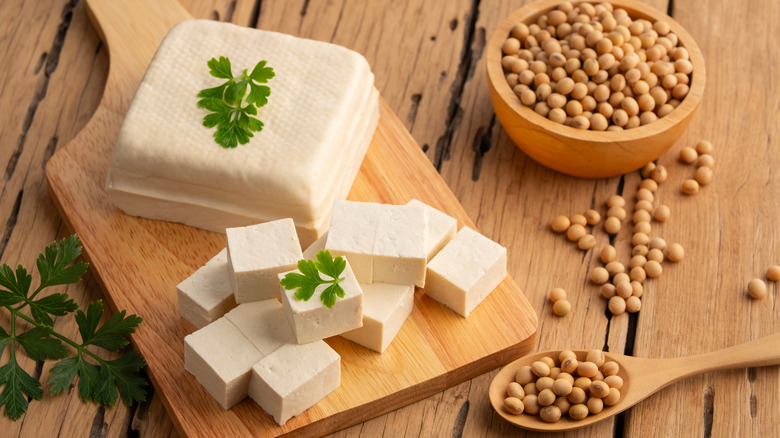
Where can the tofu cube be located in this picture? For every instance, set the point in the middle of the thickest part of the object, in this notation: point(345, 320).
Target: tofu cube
point(312, 321)
point(207, 294)
point(441, 229)
point(221, 359)
point(384, 243)
point(385, 309)
point(465, 271)
point(257, 253)
point(264, 323)
point(310, 253)
point(294, 378)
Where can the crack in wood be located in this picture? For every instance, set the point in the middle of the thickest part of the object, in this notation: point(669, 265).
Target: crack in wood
point(11, 222)
point(99, 425)
point(36, 374)
point(338, 22)
point(670, 8)
point(304, 8)
point(140, 410)
point(460, 420)
point(709, 408)
point(482, 144)
point(753, 405)
point(416, 98)
point(751, 377)
point(231, 8)
point(49, 151)
point(52, 59)
point(41, 63)
point(454, 110)
point(255, 14)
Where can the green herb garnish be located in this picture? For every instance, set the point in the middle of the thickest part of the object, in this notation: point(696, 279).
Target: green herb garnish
point(234, 122)
point(309, 279)
point(98, 378)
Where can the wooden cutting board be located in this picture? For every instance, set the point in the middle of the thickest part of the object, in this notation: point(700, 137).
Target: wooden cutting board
point(138, 263)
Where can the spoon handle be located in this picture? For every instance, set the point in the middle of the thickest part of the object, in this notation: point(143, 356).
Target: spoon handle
point(757, 353)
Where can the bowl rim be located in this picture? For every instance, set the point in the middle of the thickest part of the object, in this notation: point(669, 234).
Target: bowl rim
point(497, 80)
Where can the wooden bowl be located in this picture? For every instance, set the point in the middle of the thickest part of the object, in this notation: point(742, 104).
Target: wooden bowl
point(586, 153)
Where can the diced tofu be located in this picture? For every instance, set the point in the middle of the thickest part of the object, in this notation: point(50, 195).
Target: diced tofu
point(384, 243)
point(465, 271)
point(221, 359)
point(310, 253)
point(318, 124)
point(441, 229)
point(264, 324)
point(207, 294)
point(294, 378)
point(385, 308)
point(312, 321)
point(257, 253)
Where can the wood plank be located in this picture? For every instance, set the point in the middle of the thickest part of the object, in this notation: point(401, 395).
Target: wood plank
point(437, 347)
point(729, 231)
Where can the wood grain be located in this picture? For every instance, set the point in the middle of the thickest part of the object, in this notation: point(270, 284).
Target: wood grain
point(428, 58)
point(139, 262)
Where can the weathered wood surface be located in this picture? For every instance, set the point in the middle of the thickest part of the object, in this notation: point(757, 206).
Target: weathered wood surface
point(427, 58)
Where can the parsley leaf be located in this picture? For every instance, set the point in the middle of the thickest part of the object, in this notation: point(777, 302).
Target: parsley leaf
point(39, 346)
point(307, 281)
point(234, 122)
point(99, 379)
point(53, 263)
point(112, 335)
point(17, 383)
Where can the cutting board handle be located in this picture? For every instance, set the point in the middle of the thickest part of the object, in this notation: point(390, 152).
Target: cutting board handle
point(132, 30)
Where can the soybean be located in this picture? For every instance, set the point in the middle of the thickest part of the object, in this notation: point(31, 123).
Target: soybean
point(773, 273)
point(560, 224)
point(757, 289)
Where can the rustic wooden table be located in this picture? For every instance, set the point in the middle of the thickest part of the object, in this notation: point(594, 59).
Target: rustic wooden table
point(428, 60)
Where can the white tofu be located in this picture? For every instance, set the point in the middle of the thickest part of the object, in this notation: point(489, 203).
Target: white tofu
point(312, 321)
point(383, 243)
point(318, 123)
point(264, 324)
point(221, 359)
point(310, 253)
point(294, 378)
point(207, 294)
point(441, 229)
point(385, 308)
point(465, 271)
point(257, 253)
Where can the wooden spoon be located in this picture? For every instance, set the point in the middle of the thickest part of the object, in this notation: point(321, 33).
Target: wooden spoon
point(642, 377)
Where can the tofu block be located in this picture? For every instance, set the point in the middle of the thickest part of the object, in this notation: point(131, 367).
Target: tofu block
point(294, 378)
point(318, 124)
point(441, 229)
point(257, 253)
point(312, 321)
point(385, 309)
point(465, 271)
point(310, 253)
point(383, 243)
point(264, 323)
point(207, 294)
point(221, 359)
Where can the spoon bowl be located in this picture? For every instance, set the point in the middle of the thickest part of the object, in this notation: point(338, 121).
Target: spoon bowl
point(642, 377)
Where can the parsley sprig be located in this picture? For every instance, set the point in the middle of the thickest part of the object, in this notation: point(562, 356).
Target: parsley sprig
point(98, 378)
point(234, 122)
point(307, 281)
